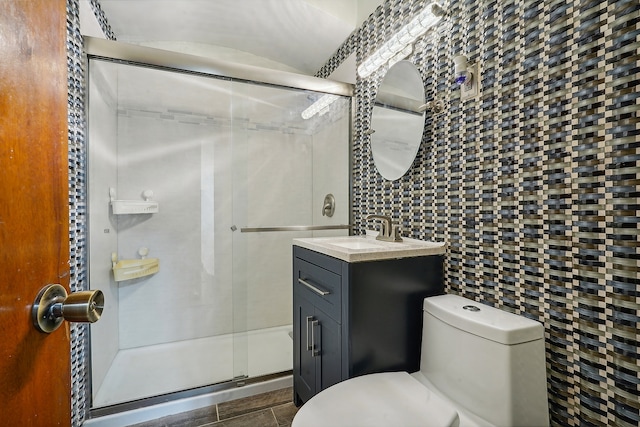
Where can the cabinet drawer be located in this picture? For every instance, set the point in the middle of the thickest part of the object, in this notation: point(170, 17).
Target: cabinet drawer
point(321, 287)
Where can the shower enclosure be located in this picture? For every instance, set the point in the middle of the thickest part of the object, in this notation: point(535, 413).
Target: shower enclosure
point(197, 184)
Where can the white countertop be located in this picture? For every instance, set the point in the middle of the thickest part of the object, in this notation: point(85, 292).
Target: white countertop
point(367, 248)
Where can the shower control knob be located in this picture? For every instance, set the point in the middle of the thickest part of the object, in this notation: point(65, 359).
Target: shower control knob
point(53, 305)
point(328, 205)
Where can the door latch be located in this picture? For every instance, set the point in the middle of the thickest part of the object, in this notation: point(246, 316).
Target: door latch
point(53, 305)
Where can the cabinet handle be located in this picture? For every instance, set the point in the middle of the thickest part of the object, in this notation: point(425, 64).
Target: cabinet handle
point(316, 351)
point(313, 288)
point(309, 335)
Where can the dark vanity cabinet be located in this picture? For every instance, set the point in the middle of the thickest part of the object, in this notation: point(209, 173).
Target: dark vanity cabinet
point(357, 318)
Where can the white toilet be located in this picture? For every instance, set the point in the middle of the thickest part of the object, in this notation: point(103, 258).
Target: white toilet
point(480, 366)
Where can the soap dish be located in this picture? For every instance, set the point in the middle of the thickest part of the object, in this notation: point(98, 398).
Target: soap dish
point(128, 269)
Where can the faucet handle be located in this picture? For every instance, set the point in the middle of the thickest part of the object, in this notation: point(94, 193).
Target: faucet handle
point(395, 232)
point(385, 228)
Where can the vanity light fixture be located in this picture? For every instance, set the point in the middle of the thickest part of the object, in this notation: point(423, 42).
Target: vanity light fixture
point(427, 18)
point(401, 55)
point(321, 106)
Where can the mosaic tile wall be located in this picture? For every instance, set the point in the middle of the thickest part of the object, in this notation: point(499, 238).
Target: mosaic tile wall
point(77, 211)
point(77, 201)
point(102, 19)
point(534, 185)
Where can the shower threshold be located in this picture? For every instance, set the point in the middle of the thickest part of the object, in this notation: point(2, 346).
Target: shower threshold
point(152, 408)
point(155, 372)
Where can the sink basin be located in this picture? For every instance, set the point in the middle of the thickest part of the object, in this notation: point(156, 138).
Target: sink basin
point(367, 248)
point(357, 244)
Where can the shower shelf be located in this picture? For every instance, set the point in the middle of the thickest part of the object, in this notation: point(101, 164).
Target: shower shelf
point(127, 269)
point(124, 207)
point(128, 207)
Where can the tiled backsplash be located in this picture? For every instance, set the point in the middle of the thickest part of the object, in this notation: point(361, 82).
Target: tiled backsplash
point(534, 185)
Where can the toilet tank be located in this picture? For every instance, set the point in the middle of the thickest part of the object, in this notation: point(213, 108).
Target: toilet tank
point(488, 361)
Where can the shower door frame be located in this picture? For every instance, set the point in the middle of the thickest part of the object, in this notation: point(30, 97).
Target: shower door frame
point(101, 49)
point(165, 59)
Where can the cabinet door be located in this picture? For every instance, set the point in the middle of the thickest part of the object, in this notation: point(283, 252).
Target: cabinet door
point(304, 363)
point(327, 334)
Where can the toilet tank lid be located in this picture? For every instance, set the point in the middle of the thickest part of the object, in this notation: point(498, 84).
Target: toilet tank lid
point(487, 322)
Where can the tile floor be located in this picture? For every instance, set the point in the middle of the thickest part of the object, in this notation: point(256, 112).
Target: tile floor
point(273, 409)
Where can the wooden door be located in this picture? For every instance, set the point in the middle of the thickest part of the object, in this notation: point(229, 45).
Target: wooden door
point(34, 214)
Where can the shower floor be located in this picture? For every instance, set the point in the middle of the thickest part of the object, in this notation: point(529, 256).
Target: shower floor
point(154, 370)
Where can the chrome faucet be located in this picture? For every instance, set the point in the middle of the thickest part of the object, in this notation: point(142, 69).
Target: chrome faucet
point(389, 232)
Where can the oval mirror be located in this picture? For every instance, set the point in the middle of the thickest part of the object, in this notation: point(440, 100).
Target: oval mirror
point(397, 121)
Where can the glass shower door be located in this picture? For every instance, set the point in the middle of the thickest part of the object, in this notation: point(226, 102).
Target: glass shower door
point(236, 171)
point(284, 166)
point(162, 135)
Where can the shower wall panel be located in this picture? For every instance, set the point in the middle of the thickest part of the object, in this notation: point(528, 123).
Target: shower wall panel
point(185, 299)
point(331, 172)
point(277, 193)
point(103, 170)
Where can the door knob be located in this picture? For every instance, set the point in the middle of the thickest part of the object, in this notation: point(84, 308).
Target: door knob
point(53, 305)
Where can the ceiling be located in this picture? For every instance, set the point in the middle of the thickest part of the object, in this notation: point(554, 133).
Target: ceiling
point(293, 35)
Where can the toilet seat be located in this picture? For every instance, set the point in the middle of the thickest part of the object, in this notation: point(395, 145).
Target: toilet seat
point(377, 400)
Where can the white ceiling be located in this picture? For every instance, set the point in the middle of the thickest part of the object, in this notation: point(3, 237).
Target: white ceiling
point(294, 35)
